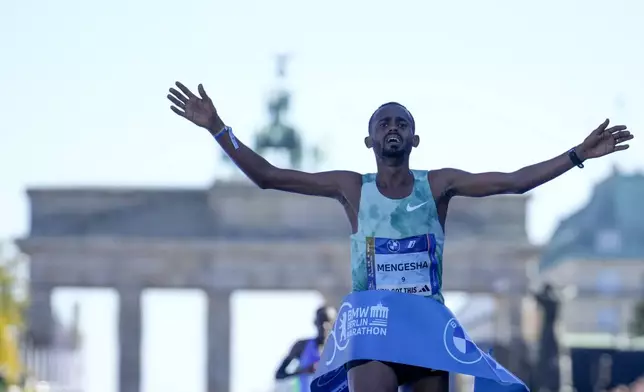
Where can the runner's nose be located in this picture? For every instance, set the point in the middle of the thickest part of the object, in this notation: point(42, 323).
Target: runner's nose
point(393, 129)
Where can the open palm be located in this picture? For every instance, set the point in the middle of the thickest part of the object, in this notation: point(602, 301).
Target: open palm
point(603, 141)
point(199, 110)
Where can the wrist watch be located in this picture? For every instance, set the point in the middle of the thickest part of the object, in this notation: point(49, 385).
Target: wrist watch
point(572, 154)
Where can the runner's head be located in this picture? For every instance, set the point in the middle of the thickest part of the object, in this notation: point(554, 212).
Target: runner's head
point(392, 132)
point(324, 318)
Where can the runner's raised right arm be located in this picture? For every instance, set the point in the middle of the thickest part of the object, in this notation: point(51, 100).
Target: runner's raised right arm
point(267, 176)
point(202, 112)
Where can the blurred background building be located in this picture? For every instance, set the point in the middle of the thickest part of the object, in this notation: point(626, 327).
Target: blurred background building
point(597, 255)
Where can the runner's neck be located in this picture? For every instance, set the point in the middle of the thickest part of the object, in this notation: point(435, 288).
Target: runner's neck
point(391, 177)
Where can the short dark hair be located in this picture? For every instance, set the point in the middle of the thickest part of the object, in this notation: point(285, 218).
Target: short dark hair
point(413, 122)
point(322, 312)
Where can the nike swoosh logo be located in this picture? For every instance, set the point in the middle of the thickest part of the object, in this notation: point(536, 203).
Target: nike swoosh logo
point(410, 208)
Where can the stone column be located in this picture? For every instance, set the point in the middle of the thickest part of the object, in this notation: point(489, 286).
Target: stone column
point(218, 341)
point(40, 316)
point(509, 317)
point(514, 356)
point(129, 339)
point(516, 317)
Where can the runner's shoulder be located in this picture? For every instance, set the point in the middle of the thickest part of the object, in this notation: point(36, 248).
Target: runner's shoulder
point(347, 178)
point(439, 179)
point(298, 348)
point(343, 181)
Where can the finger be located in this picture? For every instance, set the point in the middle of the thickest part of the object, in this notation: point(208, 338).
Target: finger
point(175, 101)
point(621, 134)
point(177, 111)
point(622, 147)
point(623, 139)
point(179, 96)
point(202, 92)
point(601, 128)
point(185, 90)
point(616, 128)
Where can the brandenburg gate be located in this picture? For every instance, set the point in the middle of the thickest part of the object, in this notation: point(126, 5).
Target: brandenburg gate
point(235, 236)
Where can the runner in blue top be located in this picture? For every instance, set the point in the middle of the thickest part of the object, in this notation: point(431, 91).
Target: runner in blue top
point(397, 215)
point(307, 352)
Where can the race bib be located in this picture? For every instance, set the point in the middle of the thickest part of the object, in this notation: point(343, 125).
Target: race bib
point(407, 265)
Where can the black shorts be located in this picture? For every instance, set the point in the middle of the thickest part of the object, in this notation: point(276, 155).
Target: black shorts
point(406, 374)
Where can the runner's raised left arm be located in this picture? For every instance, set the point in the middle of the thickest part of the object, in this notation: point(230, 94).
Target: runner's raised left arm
point(602, 141)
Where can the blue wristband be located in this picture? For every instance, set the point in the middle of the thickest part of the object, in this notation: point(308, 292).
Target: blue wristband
point(230, 133)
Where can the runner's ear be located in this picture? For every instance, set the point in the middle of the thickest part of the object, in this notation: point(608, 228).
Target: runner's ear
point(368, 142)
point(415, 141)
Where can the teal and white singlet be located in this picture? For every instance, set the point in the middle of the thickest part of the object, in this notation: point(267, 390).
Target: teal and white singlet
point(399, 242)
point(398, 247)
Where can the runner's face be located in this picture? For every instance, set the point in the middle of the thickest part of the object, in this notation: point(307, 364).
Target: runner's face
point(391, 132)
point(324, 322)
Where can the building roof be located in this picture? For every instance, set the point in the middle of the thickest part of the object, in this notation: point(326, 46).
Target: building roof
point(173, 213)
point(609, 227)
point(155, 212)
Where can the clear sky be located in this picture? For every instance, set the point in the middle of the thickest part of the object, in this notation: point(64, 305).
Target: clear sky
point(494, 85)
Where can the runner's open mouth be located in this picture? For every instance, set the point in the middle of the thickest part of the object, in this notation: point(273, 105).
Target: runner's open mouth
point(393, 139)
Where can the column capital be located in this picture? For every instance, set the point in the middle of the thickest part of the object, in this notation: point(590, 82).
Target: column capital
point(218, 292)
point(130, 289)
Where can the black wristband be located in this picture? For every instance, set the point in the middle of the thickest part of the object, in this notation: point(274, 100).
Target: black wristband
point(572, 154)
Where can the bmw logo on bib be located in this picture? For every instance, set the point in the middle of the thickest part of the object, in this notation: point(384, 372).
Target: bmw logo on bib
point(393, 246)
point(458, 345)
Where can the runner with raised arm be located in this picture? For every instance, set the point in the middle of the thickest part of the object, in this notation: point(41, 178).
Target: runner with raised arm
point(397, 216)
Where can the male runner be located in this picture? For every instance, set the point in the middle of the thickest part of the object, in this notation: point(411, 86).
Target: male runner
point(307, 352)
point(397, 204)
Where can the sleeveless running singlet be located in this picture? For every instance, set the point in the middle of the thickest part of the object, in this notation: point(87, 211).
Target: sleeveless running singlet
point(398, 247)
point(399, 242)
point(310, 355)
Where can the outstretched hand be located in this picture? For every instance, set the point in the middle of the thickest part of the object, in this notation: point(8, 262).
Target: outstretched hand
point(603, 141)
point(199, 110)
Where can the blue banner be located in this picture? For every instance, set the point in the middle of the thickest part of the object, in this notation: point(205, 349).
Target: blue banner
point(408, 329)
